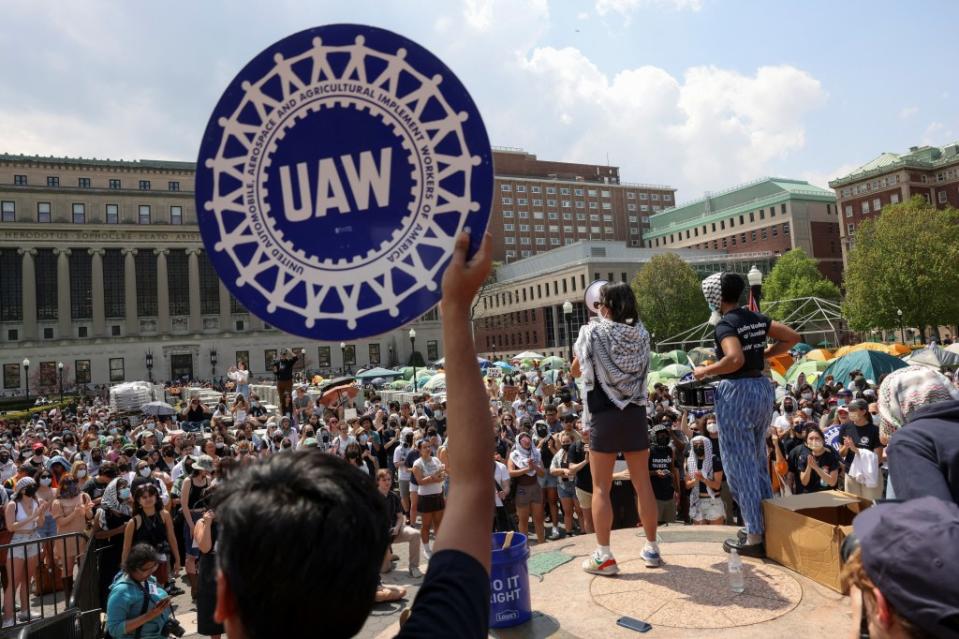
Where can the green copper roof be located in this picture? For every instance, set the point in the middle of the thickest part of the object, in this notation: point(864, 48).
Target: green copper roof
point(919, 157)
point(142, 164)
point(736, 201)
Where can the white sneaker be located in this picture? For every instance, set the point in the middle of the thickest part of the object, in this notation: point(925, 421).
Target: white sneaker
point(427, 551)
point(598, 564)
point(651, 556)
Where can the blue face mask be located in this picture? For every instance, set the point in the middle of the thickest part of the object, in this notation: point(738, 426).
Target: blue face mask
point(840, 402)
point(124, 493)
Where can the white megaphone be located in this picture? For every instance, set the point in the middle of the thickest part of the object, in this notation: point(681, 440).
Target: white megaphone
point(593, 297)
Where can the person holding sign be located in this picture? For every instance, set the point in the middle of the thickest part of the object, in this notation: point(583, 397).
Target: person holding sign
point(744, 399)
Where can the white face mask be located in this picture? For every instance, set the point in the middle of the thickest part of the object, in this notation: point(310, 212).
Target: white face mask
point(816, 446)
point(81, 474)
point(807, 410)
point(712, 428)
point(145, 471)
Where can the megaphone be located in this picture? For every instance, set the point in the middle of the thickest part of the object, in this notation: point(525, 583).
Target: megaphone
point(593, 297)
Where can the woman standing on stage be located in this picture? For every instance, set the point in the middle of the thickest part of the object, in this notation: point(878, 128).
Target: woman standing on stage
point(612, 356)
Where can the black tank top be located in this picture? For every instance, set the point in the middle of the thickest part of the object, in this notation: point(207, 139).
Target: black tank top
point(151, 530)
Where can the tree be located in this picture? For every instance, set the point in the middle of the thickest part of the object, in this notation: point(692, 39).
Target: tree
point(795, 275)
point(669, 295)
point(904, 259)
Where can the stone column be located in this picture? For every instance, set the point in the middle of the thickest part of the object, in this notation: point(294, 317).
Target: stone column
point(226, 325)
point(29, 293)
point(64, 319)
point(256, 323)
point(163, 291)
point(99, 312)
point(130, 291)
point(193, 265)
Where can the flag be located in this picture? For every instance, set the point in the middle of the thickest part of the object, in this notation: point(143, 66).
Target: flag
point(753, 303)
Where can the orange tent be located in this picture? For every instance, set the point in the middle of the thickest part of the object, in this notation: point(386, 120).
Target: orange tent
point(819, 355)
point(898, 350)
point(781, 363)
point(864, 346)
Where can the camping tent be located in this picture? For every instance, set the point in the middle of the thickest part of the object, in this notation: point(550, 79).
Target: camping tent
point(373, 373)
point(934, 356)
point(873, 365)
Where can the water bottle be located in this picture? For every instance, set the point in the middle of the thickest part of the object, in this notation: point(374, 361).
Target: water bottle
point(734, 568)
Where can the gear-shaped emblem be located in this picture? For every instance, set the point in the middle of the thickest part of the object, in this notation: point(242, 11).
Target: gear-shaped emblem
point(333, 177)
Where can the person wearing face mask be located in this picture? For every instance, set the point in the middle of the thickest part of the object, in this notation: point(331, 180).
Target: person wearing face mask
point(430, 475)
point(194, 498)
point(783, 421)
point(566, 488)
point(861, 452)
point(23, 514)
point(663, 474)
point(94, 458)
point(108, 526)
point(817, 464)
point(704, 476)
point(525, 464)
point(38, 460)
point(145, 474)
point(73, 512)
point(8, 468)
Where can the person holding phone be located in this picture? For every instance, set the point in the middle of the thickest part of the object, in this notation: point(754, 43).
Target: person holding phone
point(137, 605)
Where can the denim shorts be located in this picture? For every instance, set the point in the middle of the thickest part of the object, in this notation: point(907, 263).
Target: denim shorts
point(548, 481)
point(567, 490)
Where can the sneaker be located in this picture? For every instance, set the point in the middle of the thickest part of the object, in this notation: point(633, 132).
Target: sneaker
point(651, 557)
point(427, 551)
point(415, 572)
point(597, 564)
point(8, 623)
point(23, 617)
point(556, 534)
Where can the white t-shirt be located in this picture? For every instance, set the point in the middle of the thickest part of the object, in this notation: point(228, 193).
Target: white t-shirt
point(501, 475)
point(399, 457)
point(429, 467)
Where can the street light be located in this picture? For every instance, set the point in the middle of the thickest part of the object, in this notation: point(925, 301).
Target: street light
point(652, 342)
point(26, 373)
point(492, 351)
point(902, 330)
point(343, 356)
point(568, 314)
point(413, 355)
point(150, 365)
point(213, 363)
point(755, 277)
point(60, 372)
point(389, 347)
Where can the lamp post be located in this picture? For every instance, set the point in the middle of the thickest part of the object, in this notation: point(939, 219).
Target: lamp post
point(26, 373)
point(343, 356)
point(902, 330)
point(60, 374)
point(493, 351)
point(755, 277)
point(568, 314)
point(413, 355)
point(652, 342)
point(149, 360)
point(213, 363)
point(389, 348)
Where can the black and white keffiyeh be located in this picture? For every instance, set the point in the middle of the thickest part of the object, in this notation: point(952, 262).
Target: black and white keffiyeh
point(617, 357)
point(712, 291)
point(707, 469)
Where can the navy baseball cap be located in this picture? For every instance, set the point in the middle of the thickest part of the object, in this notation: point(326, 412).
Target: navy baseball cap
point(910, 550)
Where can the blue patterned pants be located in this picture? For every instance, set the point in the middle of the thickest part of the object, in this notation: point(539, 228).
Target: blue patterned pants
point(744, 411)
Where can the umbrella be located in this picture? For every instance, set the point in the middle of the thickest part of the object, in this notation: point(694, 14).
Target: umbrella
point(934, 356)
point(335, 394)
point(553, 362)
point(809, 367)
point(674, 371)
point(873, 365)
point(157, 408)
point(378, 372)
point(700, 354)
point(802, 347)
point(550, 376)
point(898, 350)
point(504, 366)
point(527, 355)
point(378, 381)
point(526, 365)
point(435, 383)
point(818, 355)
point(675, 357)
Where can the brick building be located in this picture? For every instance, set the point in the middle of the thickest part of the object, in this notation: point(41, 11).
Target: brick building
point(771, 214)
point(539, 205)
point(932, 172)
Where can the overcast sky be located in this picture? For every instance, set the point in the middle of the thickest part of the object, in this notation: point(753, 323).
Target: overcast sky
point(698, 94)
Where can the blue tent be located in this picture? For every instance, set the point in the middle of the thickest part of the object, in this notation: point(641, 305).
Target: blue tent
point(873, 364)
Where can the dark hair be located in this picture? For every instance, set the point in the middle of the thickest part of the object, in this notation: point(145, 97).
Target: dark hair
point(731, 286)
point(301, 501)
point(811, 427)
point(620, 301)
point(139, 556)
point(142, 488)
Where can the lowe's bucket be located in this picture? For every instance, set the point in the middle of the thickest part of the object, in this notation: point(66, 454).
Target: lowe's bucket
point(509, 582)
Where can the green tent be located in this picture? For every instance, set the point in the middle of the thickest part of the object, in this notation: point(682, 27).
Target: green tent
point(674, 371)
point(808, 367)
point(700, 354)
point(802, 347)
point(873, 364)
point(656, 361)
point(676, 356)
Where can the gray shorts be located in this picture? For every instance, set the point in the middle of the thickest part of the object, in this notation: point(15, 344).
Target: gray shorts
point(667, 511)
point(526, 495)
point(404, 488)
point(27, 551)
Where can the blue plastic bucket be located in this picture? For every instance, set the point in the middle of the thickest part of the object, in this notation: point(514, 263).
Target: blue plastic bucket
point(509, 583)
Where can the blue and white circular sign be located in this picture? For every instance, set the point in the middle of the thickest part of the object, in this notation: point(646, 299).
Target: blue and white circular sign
point(333, 177)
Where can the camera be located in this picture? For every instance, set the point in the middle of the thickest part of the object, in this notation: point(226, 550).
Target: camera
point(173, 628)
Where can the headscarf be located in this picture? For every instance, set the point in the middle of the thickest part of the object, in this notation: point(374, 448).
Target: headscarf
point(906, 389)
point(23, 483)
point(522, 457)
point(707, 469)
point(713, 292)
point(111, 501)
point(620, 353)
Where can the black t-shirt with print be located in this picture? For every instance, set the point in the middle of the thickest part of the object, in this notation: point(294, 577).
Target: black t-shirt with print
point(866, 437)
point(453, 600)
point(799, 459)
point(717, 468)
point(751, 329)
point(283, 368)
point(661, 458)
point(584, 478)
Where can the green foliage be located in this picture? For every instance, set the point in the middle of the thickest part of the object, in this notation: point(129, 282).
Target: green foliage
point(905, 259)
point(669, 296)
point(795, 275)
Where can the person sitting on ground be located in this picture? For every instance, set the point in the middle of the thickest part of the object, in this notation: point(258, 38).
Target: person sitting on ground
point(306, 500)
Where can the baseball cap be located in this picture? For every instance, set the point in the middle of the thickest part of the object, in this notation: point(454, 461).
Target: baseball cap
point(570, 417)
point(859, 404)
point(910, 550)
point(38, 446)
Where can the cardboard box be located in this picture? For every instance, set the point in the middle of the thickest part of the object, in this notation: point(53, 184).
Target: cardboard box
point(805, 532)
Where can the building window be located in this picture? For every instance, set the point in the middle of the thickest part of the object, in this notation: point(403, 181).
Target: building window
point(752, 216)
point(11, 375)
point(567, 204)
point(81, 371)
point(521, 201)
point(11, 286)
point(178, 282)
point(114, 292)
point(786, 229)
point(143, 216)
point(116, 369)
point(534, 189)
point(509, 240)
point(876, 204)
point(894, 198)
point(79, 213)
point(432, 350)
point(114, 183)
point(941, 197)
point(83, 183)
point(209, 287)
point(374, 354)
point(81, 284)
point(20, 180)
point(762, 214)
point(538, 228)
point(53, 180)
point(8, 211)
point(520, 188)
point(508, 227)
point(507, 213)
point(46, 284)
point(146, 278)
point(865, 206)
point(848, 210)
point(349, 355)
point(752, 236)
point(176, 215)
point(507, 200)
point(537, 215)
point(775, 231)
point(540, 241)
point(763, 234)
point(505, 187)
point(144, 185)
point(173, 186)
point(113, 213)
point(48, 332)
point(850, 229)
point(524, 228)
point(524, 241)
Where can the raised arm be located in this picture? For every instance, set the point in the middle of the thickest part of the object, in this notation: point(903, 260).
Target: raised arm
point(467, 522)
point(785, 338)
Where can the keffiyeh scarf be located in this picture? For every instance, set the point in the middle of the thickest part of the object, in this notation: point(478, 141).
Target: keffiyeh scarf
point(707, 469)
point(111, 501)
point(906, 389)
point(522, 457)
point(617, 357)
point(712, 291)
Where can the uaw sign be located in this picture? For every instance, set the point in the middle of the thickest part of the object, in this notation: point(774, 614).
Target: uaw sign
point(333, 177)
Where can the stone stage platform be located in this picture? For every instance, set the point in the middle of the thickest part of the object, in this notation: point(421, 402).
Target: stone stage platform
point(688, 596)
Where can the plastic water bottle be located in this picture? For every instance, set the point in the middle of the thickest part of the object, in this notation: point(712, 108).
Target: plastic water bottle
point(737, 582)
